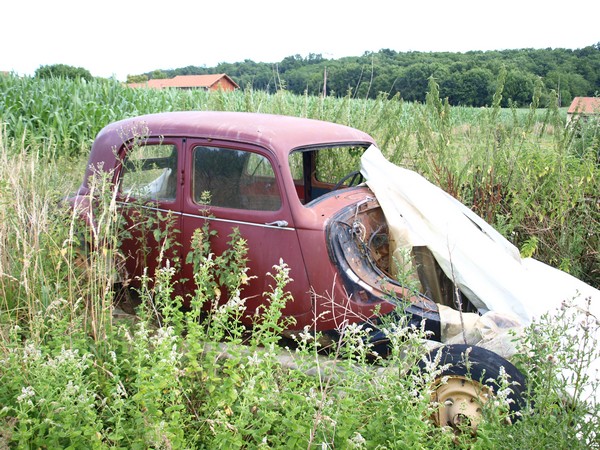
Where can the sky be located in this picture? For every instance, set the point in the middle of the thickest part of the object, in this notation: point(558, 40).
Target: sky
point(116, 38)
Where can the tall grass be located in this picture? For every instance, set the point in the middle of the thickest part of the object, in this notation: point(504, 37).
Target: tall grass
point(71, 374)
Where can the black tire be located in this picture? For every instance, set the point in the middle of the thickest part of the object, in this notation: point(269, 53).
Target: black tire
point(480, 370)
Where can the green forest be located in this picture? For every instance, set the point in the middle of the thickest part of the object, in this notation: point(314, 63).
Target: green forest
point(466, 79)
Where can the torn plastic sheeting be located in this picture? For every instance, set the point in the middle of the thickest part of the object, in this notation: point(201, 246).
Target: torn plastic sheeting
point(493, 331)
point(484, 265)
point(487, 268)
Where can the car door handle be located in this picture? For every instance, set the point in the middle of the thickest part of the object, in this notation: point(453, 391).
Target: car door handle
point(278, 223)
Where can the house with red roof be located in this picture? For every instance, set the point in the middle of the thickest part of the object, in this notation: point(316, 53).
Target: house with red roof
point(584, 108)
point(211, 82)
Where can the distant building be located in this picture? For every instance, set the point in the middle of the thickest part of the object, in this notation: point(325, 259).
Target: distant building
point(206, 82)
point(584, 108)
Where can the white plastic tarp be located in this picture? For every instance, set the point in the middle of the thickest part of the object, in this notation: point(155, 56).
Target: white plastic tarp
point(486, 267)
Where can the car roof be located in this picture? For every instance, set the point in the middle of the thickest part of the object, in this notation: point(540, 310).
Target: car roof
point(277, 132)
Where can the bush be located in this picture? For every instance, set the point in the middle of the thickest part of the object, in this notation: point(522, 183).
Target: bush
point(63, 71)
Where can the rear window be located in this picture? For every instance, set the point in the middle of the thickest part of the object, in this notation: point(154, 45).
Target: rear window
point(150, 172)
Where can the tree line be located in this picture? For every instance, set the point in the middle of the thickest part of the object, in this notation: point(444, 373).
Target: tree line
point(468, 79)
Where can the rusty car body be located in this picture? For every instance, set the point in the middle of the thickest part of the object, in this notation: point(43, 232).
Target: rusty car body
point(282, 182)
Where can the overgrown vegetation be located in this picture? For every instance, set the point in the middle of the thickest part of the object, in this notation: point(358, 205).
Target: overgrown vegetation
point(523, 170)
point(72, 374)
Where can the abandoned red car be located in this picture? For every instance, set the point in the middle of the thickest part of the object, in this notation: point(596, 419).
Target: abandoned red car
point(293, 189)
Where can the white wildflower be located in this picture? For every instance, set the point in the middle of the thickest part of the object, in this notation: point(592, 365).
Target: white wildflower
point(254, 360)
point(71, 389)
point(31, 353)
point(306, 335)
point(72, 357)
point(27, 393)
point(357, 441)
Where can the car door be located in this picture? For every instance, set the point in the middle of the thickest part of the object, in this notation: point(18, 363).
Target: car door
point(238, 186)
point(149, 199)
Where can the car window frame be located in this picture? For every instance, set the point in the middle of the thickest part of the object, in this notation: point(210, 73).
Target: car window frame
point(267, 155)
point(122, 157)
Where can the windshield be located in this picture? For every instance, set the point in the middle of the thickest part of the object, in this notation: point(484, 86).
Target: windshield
point(319, 170)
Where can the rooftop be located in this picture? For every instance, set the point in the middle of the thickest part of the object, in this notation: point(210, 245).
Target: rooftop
point(585, 105)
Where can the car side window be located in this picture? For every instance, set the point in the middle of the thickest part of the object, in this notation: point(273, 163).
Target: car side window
point(150, 172)
point(234, 179)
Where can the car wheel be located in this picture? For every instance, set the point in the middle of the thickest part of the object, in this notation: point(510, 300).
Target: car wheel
point(472, 377)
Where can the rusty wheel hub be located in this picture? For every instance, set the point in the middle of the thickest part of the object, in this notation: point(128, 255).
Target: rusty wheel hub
point(461, 401)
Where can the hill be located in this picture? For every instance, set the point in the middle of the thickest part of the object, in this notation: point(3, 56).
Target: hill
point(468, 79)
